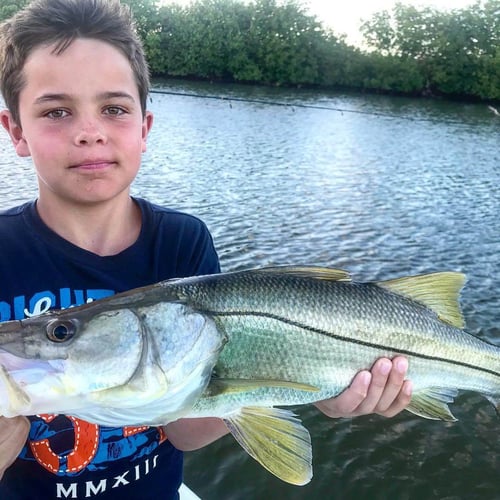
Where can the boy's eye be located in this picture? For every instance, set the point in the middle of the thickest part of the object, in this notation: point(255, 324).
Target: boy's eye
point(56, 113)
point(114, 110)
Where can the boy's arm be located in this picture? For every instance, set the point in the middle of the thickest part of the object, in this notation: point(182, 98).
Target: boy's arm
point(382, 390)
point(13, 434)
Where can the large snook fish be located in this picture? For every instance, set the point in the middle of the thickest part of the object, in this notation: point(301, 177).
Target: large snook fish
point(236, 345)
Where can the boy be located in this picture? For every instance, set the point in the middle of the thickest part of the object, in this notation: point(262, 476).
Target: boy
point(75, 82)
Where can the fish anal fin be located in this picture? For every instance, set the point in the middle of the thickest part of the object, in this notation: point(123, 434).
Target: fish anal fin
point(316, 272)
point(276, 439)
point(433, 404)
point(438, 291)
point(219, 386)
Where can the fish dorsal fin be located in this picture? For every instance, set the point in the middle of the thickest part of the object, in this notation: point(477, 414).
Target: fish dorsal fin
point(276, 439)
point(437, 291)
point(316, 272)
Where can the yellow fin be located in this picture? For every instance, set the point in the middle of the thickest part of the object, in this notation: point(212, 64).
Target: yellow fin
point(433, 404)
point(230, 386)
point(316, 272)
point(276, 439)
point(438, 291)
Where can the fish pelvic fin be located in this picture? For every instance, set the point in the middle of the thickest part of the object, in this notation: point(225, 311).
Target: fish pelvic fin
point(438, 291)
point(276, 439)
point(433, 404)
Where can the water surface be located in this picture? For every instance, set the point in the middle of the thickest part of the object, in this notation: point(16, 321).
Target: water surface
point(380, 186)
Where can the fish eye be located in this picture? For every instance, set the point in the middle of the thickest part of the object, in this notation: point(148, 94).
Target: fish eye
point(60, 330)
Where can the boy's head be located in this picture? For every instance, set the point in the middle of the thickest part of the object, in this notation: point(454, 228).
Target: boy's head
point(58, 23)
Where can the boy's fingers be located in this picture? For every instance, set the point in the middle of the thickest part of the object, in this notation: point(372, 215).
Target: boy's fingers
point(393, 385)
point(382, 390)
point(380, 371)
point(13, 434)
point(400, 402)
point(346, 403)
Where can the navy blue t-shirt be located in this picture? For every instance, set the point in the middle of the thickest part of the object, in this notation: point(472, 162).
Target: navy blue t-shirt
point(66, 457)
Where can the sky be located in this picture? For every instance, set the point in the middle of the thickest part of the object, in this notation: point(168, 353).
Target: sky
point(343, 16)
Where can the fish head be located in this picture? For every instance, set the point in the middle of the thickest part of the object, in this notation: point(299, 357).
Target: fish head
point(125, 360)
point(50, 361)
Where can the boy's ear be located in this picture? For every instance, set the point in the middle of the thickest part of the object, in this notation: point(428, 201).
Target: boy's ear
point(147, 123)
point(15, 132)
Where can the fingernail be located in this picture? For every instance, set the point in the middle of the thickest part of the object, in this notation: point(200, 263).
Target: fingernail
point(366, 378)
point(402, 365)
point(385, 367)
point(407, 388)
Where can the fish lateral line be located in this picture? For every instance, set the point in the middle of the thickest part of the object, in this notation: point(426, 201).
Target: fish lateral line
point(397, 351)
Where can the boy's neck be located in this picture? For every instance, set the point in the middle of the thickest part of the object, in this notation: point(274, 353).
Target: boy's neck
point(104, 229)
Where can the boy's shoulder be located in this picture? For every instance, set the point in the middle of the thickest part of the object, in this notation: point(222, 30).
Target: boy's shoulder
point(15, 211)
point(162, 214)
point(10, 217)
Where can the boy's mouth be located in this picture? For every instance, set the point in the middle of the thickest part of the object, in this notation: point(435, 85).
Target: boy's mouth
point(93, 165)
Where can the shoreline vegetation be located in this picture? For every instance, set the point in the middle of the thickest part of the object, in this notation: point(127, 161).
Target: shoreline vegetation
point(411, 51)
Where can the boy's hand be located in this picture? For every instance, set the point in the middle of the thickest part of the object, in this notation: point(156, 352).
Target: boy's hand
point(13, 434)
point(382, 390)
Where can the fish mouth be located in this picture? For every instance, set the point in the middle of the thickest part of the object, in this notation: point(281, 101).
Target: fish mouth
point(16, 375)
point(32, 369)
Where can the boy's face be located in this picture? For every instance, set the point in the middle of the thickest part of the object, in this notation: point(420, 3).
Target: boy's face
point(81, 122)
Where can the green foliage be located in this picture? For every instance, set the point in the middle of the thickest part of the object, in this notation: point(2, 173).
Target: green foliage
point(145, 13)
point(416, 50)
point(457, 52)
point(226, 39)
point(410, 50)
point(10, 7)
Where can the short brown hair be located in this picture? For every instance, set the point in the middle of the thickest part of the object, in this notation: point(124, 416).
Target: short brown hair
point(58, 23)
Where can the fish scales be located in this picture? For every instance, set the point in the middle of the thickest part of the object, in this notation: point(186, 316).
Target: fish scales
point(372, 321)
point(237, 346)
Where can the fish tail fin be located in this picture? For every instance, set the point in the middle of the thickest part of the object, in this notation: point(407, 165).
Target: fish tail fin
point(433, 403)
point(276, 439)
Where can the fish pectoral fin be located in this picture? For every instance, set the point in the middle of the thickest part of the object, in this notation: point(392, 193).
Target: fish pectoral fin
point(276, 439)
point(219, 386)
point(437, 291)
point(433, 403)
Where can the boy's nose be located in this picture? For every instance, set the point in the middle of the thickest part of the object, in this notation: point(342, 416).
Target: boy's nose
point(89, 133)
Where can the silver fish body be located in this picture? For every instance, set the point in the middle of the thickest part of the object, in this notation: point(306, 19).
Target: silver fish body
point(318, 328)
point(236, 345)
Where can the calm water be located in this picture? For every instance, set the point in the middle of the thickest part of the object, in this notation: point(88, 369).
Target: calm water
point(386, 187)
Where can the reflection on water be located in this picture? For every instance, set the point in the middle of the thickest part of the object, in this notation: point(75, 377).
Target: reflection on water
point(381, 196)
